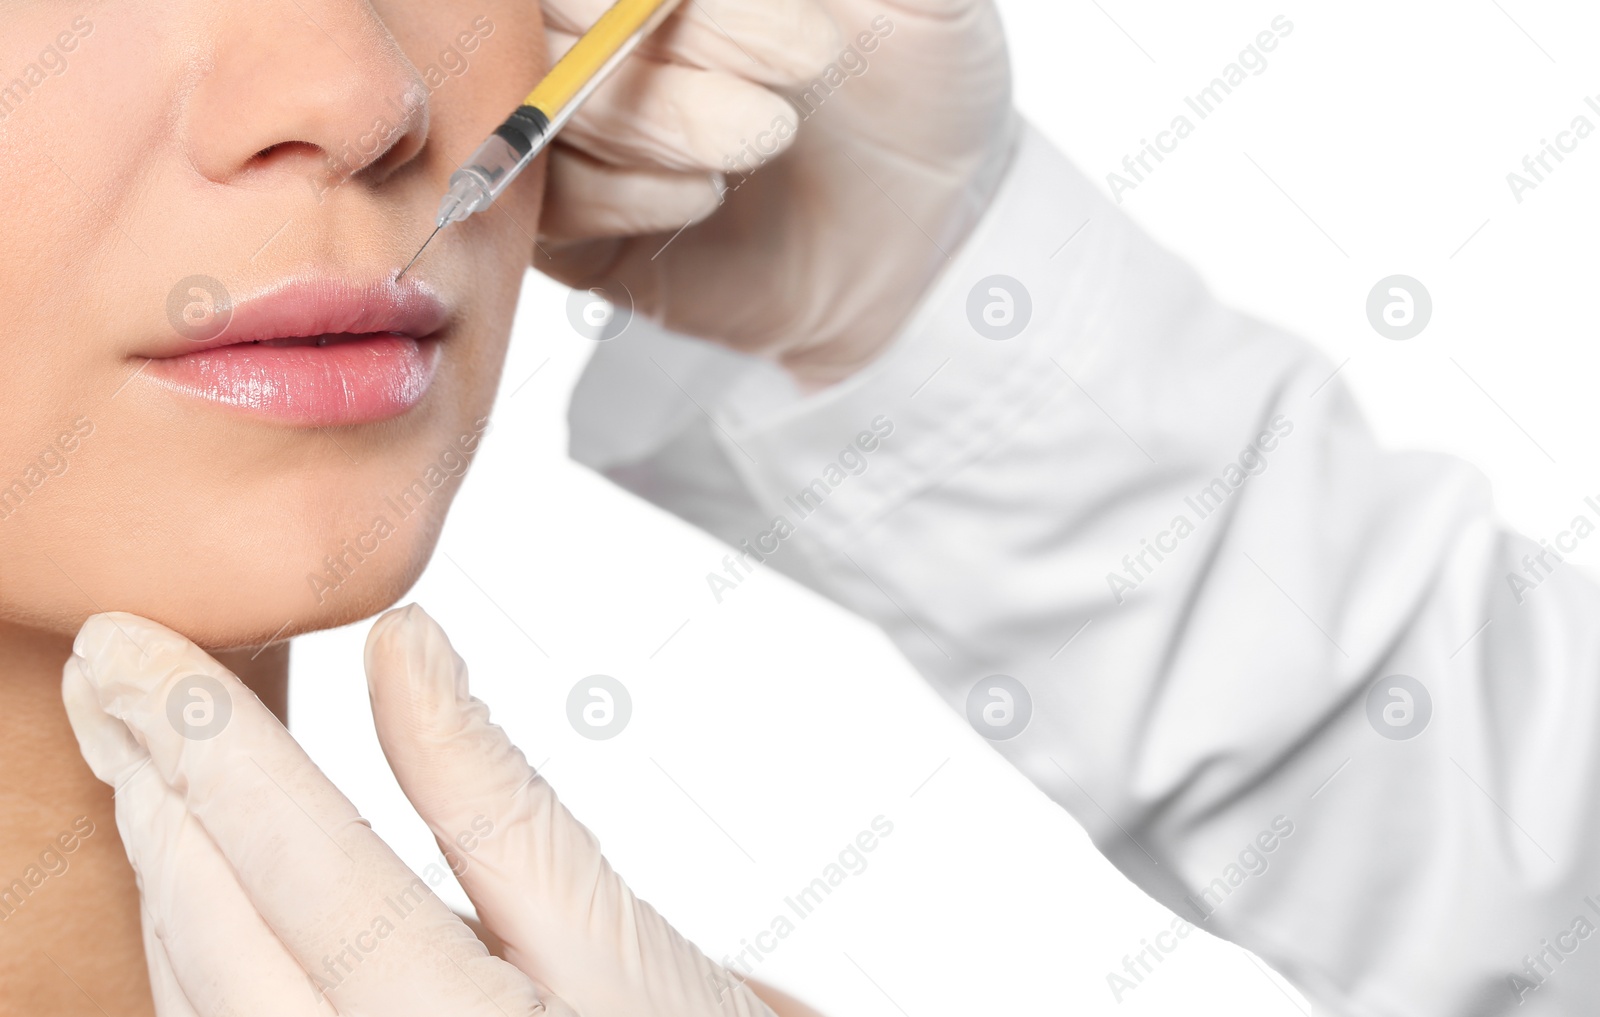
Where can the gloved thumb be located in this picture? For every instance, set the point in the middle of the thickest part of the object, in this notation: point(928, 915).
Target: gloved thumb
point(534, 873)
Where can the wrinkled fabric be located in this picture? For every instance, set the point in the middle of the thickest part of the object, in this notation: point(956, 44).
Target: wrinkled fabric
point(1305, 691)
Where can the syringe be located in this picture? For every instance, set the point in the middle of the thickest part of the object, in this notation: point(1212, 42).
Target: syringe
point(526, 132)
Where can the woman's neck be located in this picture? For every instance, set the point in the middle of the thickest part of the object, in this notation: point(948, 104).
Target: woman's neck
point(70, 940)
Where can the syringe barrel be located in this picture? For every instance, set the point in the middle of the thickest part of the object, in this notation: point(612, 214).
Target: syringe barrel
point(490, 170)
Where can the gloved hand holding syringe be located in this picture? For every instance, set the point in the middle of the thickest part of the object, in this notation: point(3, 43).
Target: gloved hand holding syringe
point(526, 132)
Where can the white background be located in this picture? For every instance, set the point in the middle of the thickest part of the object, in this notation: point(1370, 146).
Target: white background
point(770, 729)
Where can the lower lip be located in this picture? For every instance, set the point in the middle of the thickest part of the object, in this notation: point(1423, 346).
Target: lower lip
point(352, 381)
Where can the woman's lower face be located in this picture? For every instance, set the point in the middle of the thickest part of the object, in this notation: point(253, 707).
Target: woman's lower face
point(217, 407)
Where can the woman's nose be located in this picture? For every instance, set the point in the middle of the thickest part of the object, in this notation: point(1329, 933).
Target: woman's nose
point(315, 89)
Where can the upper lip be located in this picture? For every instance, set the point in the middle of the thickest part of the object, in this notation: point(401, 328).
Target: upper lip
point(322, 305)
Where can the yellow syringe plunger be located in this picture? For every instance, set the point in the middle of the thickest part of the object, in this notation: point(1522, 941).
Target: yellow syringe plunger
point(618, 31)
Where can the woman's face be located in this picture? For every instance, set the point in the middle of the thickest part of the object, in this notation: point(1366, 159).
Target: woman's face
point(217, 408)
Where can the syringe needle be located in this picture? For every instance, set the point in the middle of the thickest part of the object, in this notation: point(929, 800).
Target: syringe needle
point(424, 247)
point(476, 184)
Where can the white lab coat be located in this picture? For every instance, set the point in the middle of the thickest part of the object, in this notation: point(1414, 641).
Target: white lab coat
point(1217, 695)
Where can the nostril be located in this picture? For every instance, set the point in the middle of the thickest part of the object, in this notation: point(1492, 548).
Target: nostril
point(283, 148)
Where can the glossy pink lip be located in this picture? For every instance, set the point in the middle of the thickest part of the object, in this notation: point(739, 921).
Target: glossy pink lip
point(315, 352)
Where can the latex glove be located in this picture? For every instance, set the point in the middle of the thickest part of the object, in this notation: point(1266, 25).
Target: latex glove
point(265, 892)
point(645, 153)
point(818, 257)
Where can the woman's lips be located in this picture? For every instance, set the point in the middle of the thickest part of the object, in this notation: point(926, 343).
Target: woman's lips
point(314, 353)
point(356, 380)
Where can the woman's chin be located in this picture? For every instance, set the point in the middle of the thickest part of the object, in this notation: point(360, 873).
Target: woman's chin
point(286, 607)
point(227, 607)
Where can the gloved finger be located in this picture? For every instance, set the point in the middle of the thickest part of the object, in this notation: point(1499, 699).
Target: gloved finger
point(586, 199)
point(665, 115)
point(775, 42)
point(326, 885)
point(165, 991)
point(207, 948)
point(538, 879)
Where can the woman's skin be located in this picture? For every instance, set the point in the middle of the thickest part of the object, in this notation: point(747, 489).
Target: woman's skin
point(258, 144)
point(73, 947)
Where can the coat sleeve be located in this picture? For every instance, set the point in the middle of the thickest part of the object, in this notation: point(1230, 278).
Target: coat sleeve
point(1304, 690)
